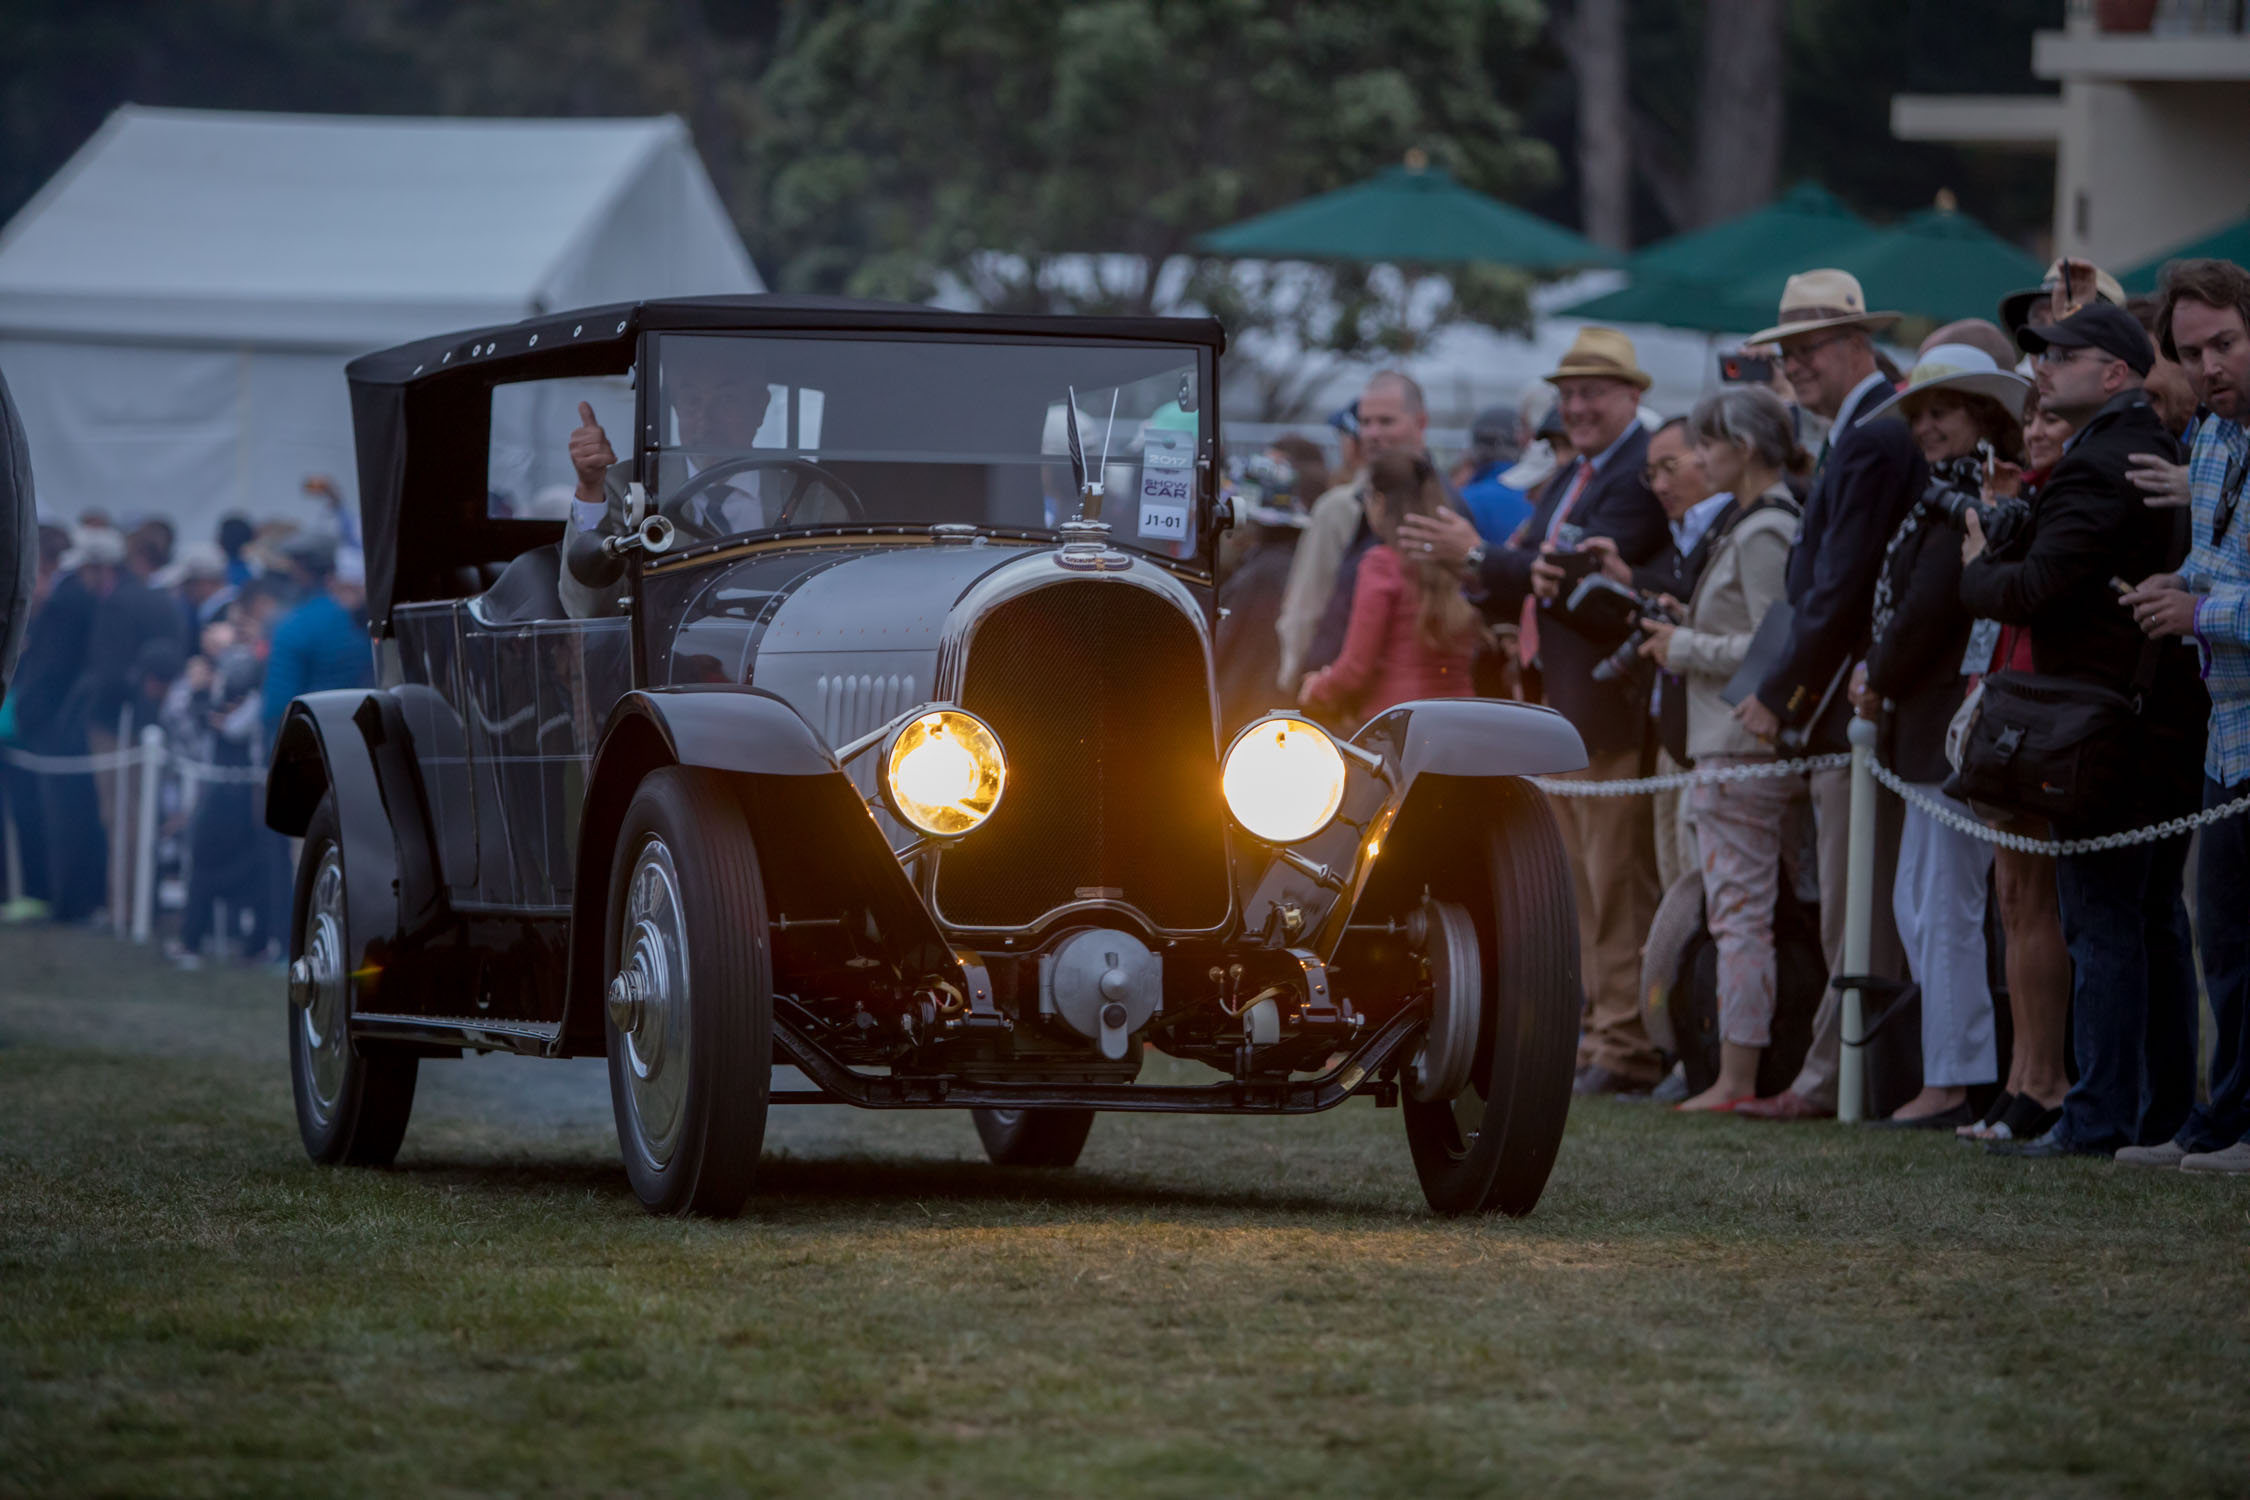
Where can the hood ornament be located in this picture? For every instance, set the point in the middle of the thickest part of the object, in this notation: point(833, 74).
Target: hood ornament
point(1085, 542)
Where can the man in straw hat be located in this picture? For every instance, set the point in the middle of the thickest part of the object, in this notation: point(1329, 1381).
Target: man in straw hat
point(1602, 493)
point(1869, 475)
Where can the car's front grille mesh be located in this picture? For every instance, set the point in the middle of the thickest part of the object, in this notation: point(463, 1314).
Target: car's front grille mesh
point(1099, 693)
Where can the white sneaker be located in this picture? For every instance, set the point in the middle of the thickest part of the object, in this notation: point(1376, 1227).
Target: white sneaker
point(2233, 1162)
point(2170, 1154)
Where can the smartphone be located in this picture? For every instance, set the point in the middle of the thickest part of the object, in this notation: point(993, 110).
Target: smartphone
point(1742, 368)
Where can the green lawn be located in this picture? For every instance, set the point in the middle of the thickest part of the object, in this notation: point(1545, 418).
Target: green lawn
point(1203, 1308)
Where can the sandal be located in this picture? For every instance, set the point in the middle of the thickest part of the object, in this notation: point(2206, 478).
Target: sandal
point(2026, 1120)
point(1723, 1107)
point(1982, 1129)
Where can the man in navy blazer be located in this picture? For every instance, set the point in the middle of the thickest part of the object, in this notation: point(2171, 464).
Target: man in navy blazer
point(1869, 476)
point(1603, 492)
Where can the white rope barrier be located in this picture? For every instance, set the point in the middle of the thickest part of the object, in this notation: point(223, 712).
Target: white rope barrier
point(126, 759)
point(1555, 786)
point(1955, 820)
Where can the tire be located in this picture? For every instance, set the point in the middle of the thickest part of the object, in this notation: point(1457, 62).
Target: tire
point(1033, 1137)
point(351, 1109)
point(1491, 1147)
point(691, 1080)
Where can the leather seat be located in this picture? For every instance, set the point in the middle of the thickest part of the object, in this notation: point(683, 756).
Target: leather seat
point(526, 590)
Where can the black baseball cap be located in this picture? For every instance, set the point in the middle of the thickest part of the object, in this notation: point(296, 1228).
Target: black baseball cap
point(2097, 325)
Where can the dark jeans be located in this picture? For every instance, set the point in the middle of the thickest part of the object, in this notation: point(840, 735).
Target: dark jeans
point(2132, 995)
point(2222, 893)
point(21, 798)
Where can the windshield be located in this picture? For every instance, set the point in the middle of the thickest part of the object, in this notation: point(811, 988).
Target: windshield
point(762, 434)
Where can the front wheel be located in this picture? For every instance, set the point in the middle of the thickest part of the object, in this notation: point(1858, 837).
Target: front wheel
point(1033, 1137)
point(1491, 1145)
point(351, 1110)
point(690, 1002)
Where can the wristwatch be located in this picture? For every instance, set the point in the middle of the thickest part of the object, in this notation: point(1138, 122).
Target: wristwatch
point(1473, 559)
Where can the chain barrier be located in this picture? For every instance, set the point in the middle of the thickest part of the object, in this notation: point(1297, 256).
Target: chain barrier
point(1907, 792)
point(126, 759)
point(1960, 823)
point(1639, 785)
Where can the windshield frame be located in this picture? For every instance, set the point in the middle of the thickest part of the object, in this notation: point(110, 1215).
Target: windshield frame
point(1198, 566)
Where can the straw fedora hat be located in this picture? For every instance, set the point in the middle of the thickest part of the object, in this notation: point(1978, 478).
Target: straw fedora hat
point(1604, 353)
point(1813, 300)
point(1964, 368)
point(2015, 308)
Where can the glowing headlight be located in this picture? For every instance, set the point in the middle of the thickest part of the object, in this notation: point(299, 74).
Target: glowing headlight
point(944, 772)
point(1283, 779)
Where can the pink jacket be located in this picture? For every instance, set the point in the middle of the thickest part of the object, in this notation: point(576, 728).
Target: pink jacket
point(1384, 660)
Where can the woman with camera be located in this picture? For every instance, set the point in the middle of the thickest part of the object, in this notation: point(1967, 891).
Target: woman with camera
point(1412, 632)
point(1746, 442)
point(1962, 406)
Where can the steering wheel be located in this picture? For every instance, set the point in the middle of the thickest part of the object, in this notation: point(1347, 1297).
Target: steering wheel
point(690, 505)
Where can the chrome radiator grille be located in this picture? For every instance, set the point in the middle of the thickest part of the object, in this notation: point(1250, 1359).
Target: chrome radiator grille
point(1100, 695)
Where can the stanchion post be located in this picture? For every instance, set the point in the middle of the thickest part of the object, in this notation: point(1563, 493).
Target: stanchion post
point(144, 834)
point(1859, 923)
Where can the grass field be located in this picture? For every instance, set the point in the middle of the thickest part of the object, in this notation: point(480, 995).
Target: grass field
point(1202, 1308)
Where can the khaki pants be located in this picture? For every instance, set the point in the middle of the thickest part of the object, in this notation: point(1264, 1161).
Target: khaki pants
point(1675, 828)
point(1832, 814)
point(1612, 844)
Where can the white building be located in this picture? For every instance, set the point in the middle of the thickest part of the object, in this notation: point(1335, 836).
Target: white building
point(2150, 131)
point(178, 303)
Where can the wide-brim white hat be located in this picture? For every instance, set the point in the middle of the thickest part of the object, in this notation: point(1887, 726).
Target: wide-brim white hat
point(1964, 368)
point(1813, 300)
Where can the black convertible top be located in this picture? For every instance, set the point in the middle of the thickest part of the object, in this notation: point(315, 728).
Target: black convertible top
point(421, 412)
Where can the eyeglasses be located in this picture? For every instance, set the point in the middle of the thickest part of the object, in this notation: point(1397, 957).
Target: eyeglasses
point(2051, 356)
point(1801, 351)
point(1661, 469)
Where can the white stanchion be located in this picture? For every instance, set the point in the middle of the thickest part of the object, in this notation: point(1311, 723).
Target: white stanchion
point(144, 833)
point(1859, 923)
point(120, 838)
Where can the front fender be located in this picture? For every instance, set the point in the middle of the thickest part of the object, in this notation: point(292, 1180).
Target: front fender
point(352, 744)
point(820, 846)
point(1319, 882)
point(1474, 737)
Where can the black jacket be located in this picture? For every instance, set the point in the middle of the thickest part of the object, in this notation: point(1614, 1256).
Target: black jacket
point(1610, 716)
point(2087, 526)
point(1872, 475)
point(1915, 661)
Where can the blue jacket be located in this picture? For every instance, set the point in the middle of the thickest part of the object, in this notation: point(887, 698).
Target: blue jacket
point(316, 646)
point(1496, 508)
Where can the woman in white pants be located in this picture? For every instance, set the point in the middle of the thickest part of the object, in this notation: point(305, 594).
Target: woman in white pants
point(1957, 399)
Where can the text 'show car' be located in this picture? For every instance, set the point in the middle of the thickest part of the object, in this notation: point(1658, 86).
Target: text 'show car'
point(867, 726)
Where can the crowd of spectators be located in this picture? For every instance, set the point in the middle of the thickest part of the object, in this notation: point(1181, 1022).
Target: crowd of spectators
point(2043, 509)
point(207, 642)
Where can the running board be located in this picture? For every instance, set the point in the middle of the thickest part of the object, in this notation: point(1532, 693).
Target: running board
point(840, 1083)
point(529, 1038)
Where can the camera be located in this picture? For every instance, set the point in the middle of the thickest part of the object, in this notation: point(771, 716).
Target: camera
point(1740, 368)
point(1603, 602)
point(1956, 489)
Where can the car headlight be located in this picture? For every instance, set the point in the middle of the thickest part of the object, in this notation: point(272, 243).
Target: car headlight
point(944, 772)
point(1284, 779)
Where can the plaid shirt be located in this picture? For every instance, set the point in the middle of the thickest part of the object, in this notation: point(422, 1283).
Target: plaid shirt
point(2220, 571)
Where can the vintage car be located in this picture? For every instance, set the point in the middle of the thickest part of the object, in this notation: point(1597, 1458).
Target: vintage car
point(892, 757)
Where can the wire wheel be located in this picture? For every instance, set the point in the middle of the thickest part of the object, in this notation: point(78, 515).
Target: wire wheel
point(689, 1005)
point(350, 1108)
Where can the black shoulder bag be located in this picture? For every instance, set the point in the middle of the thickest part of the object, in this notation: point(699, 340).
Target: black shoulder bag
point(2052, 746)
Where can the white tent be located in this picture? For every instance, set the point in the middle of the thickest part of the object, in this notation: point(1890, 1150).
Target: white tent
point(178, 303)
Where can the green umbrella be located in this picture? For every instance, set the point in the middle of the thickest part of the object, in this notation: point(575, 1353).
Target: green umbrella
point(1795, 229)
point(1685, 281)
point(2231, 243)
point(1415, 215)
point(1937, 264)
